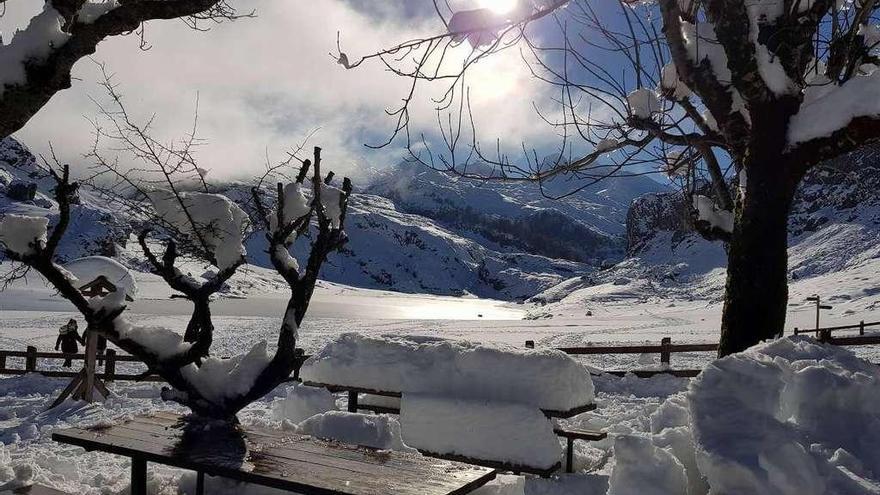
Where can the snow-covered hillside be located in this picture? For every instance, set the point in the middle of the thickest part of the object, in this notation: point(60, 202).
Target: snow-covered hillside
point(587, 226)
point(389, 249)
point(834, 250)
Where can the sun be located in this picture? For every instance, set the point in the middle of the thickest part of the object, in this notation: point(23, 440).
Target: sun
point(499, 6)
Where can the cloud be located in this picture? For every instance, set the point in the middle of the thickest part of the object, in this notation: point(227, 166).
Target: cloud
point(264, 84)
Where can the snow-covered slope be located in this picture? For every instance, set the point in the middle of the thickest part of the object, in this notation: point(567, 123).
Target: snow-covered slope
point(834, 248)
point(388, 249)
point(587, 226)
point(95, 229)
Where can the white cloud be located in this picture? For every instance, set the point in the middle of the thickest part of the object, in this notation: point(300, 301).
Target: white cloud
point(263, 84)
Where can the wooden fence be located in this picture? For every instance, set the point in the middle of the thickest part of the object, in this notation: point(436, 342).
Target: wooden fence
point(665, 349)
point(31, 357)
point(106, 362)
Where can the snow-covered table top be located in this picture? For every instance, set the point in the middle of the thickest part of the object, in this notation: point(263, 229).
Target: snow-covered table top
point(546, 379)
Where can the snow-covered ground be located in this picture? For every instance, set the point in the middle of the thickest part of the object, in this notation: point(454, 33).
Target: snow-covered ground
point(621, 310)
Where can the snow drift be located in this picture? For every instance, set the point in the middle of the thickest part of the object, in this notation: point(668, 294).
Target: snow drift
point(790, 417)
point(545, 379)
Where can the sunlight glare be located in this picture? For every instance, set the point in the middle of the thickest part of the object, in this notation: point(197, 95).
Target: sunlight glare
point(499, 6)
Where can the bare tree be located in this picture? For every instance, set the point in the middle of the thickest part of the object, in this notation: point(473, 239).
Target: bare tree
point(38, 60)
point(743, 96)
point(166, 193)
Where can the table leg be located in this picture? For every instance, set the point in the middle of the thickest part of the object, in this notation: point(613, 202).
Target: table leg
point(138, 476)
point(200, 483)
point(352, 402)
point(569, 456)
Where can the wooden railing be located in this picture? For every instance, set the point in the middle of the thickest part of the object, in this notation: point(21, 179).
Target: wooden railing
point(106, 362)
point(109, 359)
point(825, 333)
point(665, 349)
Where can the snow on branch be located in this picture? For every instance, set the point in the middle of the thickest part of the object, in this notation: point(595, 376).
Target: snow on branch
point(37, 62)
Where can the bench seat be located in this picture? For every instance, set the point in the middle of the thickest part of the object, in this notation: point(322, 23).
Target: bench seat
point(572, 434)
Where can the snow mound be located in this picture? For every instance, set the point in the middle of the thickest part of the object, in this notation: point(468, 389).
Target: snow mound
point(546, 379)
point(496, 431)
point(789, 417)
point(368, 430)
point(91, 267)
point(643, 468)
point(302, 402)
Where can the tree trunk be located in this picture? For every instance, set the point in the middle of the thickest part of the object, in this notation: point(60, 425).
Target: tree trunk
point(756, 294)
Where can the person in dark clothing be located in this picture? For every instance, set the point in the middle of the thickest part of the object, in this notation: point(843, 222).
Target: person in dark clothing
point(68, 337)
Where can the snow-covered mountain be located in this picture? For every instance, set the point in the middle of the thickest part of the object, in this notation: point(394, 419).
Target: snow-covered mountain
point(834, 246)
point(587, 226)
point(388, 249)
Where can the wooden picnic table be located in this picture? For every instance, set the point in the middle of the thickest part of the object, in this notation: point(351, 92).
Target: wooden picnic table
point(273, 458)
point(353, 406)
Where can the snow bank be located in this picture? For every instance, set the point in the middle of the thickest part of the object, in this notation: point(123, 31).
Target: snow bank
point(789, 417)
point(303, 402)
point(545, 379)
point(379, 431)
point(642, 468)
point(18, 232)
point(218, 379)
point(215, 218)
point(91, 267)
point(507, 432)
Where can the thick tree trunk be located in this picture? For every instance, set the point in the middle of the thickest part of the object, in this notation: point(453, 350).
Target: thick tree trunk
point(757, 272)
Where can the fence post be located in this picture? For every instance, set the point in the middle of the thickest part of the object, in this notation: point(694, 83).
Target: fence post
point(795, 330)
point(2, 361)
point(665, 354)
point(30, 362)
point(109, 365)
point(530, 344)
point(862, 327)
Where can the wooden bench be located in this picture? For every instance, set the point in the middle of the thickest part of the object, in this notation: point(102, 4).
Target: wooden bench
point(570, 434)
point(273, 458)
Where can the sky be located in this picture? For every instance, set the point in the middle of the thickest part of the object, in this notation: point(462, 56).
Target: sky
point(264, 84)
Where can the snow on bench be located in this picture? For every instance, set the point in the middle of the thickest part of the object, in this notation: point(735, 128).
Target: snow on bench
point(546, 379)
point(489, 405)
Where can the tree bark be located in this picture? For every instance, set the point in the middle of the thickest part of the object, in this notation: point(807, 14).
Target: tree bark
point(757, 272)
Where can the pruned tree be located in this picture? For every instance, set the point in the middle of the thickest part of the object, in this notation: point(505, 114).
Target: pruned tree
point(183, 220)
point(737, 100)
point(37, 62)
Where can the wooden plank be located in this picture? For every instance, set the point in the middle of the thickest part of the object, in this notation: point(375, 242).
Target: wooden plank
point(855, 340)
point(580, 434)
point(36, 490)
point(550, 413)
point(290, 462)
point(500, 466)
point(263, 438)
point(569, 413)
